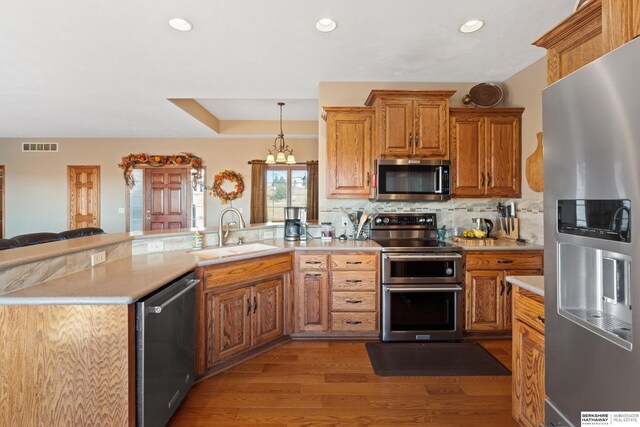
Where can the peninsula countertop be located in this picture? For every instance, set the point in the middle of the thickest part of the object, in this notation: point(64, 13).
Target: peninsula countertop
point(126, 280)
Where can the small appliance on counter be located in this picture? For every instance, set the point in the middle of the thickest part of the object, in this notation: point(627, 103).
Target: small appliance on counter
point(295, 223)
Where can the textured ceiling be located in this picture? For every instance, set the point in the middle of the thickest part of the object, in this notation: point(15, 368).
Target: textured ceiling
point(106, 68)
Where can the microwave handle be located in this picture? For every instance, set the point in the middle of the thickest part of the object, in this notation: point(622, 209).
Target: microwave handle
point(438, 189)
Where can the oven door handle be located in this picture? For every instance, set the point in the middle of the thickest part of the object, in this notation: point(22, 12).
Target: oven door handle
point(418, 257)
point(424, 288)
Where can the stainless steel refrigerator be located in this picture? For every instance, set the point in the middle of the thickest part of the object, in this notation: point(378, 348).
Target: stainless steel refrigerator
point(591, 124)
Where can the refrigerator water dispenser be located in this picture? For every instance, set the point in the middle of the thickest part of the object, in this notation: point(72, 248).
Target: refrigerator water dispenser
point(594, 290)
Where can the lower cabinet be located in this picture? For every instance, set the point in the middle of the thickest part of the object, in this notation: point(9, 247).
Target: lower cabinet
point(527, 396)
point(336, 293)
point(487, 293)
point(244, 318)
point(243, 308)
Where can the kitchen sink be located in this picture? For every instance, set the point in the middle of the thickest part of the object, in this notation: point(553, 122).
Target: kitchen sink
point(226, 251)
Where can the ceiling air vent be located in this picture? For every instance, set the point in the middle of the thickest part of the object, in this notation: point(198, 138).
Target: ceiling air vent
point(41, 147)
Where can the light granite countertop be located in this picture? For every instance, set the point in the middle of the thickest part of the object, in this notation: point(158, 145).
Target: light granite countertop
point(126, 280)
point(501, 245)
point(534, 284)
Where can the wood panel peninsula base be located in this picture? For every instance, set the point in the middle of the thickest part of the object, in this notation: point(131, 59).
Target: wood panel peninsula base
point(67, 365)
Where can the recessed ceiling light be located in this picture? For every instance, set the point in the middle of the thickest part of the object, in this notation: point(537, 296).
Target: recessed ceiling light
point(180, 24)
point(326, 25)
point(471, 26)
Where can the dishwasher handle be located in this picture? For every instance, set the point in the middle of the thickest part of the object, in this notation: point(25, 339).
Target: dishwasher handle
point(157, 309)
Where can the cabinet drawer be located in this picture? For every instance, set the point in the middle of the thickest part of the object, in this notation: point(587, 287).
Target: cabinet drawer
point(354, 281)
point(354, 321)
point(504, 260)
point(353, 301)
point(313, 261)
point(246, 271)
point(529, 308)
point(354, 261)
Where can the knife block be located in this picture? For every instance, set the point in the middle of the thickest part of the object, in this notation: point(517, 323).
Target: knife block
point(508, 228)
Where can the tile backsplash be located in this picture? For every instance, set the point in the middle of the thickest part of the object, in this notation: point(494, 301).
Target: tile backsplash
point(452, 213)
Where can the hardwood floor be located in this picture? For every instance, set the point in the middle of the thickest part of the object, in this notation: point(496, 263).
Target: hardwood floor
point(332, 383)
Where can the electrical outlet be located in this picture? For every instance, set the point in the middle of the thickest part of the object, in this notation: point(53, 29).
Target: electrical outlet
point(98, 258)
point(120, 210)
point(268, 234)
point(155, 247)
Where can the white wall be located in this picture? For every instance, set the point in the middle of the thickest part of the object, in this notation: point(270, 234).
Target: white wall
point(36, 183)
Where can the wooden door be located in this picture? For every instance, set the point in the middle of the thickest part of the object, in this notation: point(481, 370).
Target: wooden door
point(431, 125)
point(528, 375)
point(166, 198)
point(483, 302)
point(84, 196)
point(313, 301)
point(503, 156)
point(268, 311)
point(349, 144)
point(228, 328)
point(397, 128)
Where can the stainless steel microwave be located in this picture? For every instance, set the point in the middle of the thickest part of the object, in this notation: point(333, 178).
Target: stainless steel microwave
point(408, 179)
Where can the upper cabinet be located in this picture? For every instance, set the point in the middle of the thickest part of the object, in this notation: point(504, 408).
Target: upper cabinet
point(485, 152)
point(411, 124)
point(598, 27)
point(350, 135)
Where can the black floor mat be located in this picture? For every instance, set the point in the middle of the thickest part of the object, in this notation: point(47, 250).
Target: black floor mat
point(433, 359)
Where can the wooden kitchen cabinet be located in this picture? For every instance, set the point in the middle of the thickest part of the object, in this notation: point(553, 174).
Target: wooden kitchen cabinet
point(411, 124)
point(350, 137)
point(337, 294)
point(243, 308)
point(598, 27)
point(485, 152)
point(528, 395)
point(487, 293)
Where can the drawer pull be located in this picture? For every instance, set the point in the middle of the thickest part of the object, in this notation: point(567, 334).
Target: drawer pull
point(313, 275)
point(354, 281)
point(313, 262)
point(508, 288)
point(505, 261)
point(248, 307)
point(354, 262)
point(540, 318)
point(501, 288)
point(354, 301)
point(357, 322)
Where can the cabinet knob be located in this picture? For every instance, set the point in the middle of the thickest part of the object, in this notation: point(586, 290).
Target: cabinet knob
point(540, 318)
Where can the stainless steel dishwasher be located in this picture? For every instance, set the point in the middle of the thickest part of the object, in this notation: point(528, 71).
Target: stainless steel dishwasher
point(165, 354)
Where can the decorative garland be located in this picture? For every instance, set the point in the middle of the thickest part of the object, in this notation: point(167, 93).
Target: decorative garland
point(231, 176)
point(184, 159)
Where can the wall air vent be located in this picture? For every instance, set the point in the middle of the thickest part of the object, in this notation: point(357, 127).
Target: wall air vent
point(41, 147)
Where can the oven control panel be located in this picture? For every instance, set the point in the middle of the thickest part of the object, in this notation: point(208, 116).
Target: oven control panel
point(405, 220)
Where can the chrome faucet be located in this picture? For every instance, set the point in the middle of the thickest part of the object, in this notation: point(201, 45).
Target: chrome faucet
point(242, 225)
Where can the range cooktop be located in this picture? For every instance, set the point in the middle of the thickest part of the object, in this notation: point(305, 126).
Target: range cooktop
point(414, 245)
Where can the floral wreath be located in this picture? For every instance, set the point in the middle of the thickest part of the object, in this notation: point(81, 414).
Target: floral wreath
point(231, 176)
point(130, 161)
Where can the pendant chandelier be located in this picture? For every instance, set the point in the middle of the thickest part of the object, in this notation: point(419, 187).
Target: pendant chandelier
point(280, 152)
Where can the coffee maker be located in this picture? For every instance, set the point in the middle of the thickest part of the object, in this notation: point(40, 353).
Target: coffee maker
point(295, 223)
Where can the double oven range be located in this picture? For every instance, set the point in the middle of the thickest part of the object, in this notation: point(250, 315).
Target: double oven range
point(421, 279)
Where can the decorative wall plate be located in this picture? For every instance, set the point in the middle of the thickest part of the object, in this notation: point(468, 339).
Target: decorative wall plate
point(485, 94)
